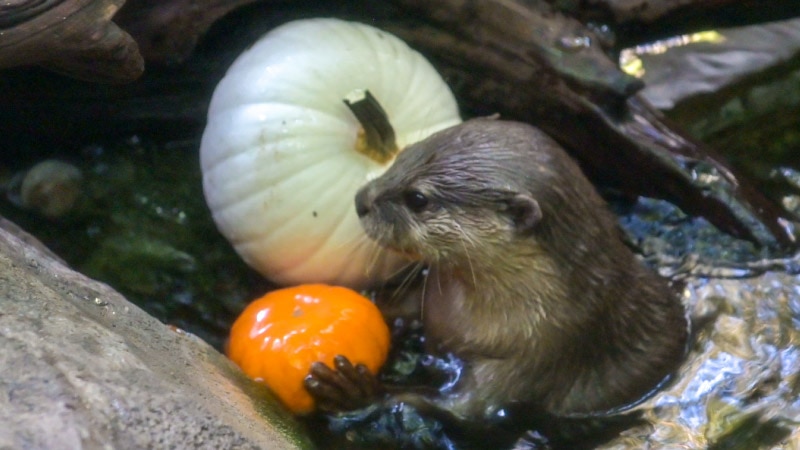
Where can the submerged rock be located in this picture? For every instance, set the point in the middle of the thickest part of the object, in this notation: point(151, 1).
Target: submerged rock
point(81, 367)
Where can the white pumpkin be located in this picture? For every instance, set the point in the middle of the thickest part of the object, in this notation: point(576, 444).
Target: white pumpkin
point(279, 159)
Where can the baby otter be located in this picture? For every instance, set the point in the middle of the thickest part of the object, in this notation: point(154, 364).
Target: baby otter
point(529, 283)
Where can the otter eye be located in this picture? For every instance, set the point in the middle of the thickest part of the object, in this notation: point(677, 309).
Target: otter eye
point(415, 200)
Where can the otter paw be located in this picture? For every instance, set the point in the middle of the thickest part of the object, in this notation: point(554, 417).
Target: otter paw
point(344, 388)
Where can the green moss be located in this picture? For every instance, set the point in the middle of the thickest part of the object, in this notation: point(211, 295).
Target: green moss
point(143, 227)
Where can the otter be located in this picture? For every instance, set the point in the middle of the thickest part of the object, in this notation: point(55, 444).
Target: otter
point(530, 283)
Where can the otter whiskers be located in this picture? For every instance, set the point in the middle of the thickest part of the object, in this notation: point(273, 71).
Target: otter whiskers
point(464, 239)
point(412, 269)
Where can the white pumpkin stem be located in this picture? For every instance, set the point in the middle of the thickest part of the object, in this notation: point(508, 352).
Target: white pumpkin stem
point(376, 139)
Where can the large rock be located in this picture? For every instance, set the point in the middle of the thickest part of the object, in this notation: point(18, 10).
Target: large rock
point(81, 367)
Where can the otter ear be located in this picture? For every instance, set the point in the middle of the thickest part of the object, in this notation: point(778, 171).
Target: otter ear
point(525, 212)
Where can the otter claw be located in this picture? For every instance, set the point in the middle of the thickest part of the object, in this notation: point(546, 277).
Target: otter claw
point(328, 398)
point(346, 388)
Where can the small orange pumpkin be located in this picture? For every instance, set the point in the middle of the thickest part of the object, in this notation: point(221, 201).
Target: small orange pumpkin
point(279, 336)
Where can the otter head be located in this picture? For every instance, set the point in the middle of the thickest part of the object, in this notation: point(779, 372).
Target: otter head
point(455, 196)
point(472, 191)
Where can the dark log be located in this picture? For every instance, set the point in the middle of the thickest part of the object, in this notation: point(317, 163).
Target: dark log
point(516, 60)
point(167, 31)
point(74, 37)
point(637, 21)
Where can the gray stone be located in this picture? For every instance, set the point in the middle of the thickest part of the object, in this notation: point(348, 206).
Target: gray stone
point(81, 367)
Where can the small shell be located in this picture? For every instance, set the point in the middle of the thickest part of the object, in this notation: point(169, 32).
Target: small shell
point(51, 188)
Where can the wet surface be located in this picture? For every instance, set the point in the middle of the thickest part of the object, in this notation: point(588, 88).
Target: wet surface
point(739, 385)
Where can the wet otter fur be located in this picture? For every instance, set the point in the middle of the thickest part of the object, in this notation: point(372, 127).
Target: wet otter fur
point(529, 283)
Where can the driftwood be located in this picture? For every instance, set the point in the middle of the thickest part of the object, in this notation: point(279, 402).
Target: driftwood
point(527, 60)
point(74, 37)
point(167, 31)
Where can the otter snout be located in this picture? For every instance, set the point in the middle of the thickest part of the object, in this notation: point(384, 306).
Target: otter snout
point(365, 197)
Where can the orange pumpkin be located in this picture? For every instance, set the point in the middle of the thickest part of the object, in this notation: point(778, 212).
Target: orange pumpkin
point(279, 336)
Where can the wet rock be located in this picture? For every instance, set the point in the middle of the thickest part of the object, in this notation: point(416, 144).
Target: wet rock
point(81, 367)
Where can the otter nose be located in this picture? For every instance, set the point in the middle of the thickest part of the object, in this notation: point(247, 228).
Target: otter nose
point(363, 202)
